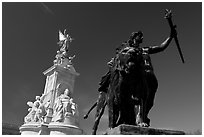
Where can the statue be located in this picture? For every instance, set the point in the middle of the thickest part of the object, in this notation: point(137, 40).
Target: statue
point(62, 56)
point(37, 111)
point(40, 114)
point(55, 112)
point(64, 106)
point(129, 87)
point(64, 40)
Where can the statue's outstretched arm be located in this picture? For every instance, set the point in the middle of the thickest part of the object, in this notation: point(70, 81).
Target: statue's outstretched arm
point(164, 45)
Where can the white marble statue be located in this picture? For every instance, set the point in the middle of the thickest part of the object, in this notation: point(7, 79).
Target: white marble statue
point(62, 57)
point(62, 106)
point(64, 40)
point(36, 111)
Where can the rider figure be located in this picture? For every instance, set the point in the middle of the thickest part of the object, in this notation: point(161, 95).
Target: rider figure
point(135, 40)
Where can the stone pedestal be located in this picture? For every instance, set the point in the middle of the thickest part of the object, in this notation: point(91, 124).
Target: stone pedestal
point(30, 129)
point(63, 129)
point(134, 130)
point(50, 129)
point(44, 130)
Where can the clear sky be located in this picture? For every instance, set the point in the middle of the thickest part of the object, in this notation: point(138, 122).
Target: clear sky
point(30, 34)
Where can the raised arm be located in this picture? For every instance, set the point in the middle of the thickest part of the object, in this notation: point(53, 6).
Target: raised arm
point(164, 45)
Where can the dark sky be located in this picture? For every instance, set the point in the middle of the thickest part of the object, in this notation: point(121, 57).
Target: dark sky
point(30, 34)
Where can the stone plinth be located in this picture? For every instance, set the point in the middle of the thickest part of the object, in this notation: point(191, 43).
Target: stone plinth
point(134, 130)
point(30, 129)
point(62, 129)
point(50, 129)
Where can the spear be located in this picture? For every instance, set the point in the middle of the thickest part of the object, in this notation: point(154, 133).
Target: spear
point(168, 16)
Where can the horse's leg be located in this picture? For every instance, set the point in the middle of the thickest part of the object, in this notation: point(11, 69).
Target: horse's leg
point(113, 101)
point(97, 120)
point(117, 115)
point(110, 112)
point(100, 98)
point(113, 113)
point(94, 105)
point(100, 106)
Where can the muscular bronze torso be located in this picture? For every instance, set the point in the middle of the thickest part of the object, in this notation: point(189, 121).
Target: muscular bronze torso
point(147, 61)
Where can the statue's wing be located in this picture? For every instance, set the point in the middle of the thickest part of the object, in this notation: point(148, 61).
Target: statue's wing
point(30, 104)
point(61, 36)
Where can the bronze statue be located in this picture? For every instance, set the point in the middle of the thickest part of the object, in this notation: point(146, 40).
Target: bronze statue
point(129, 87)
